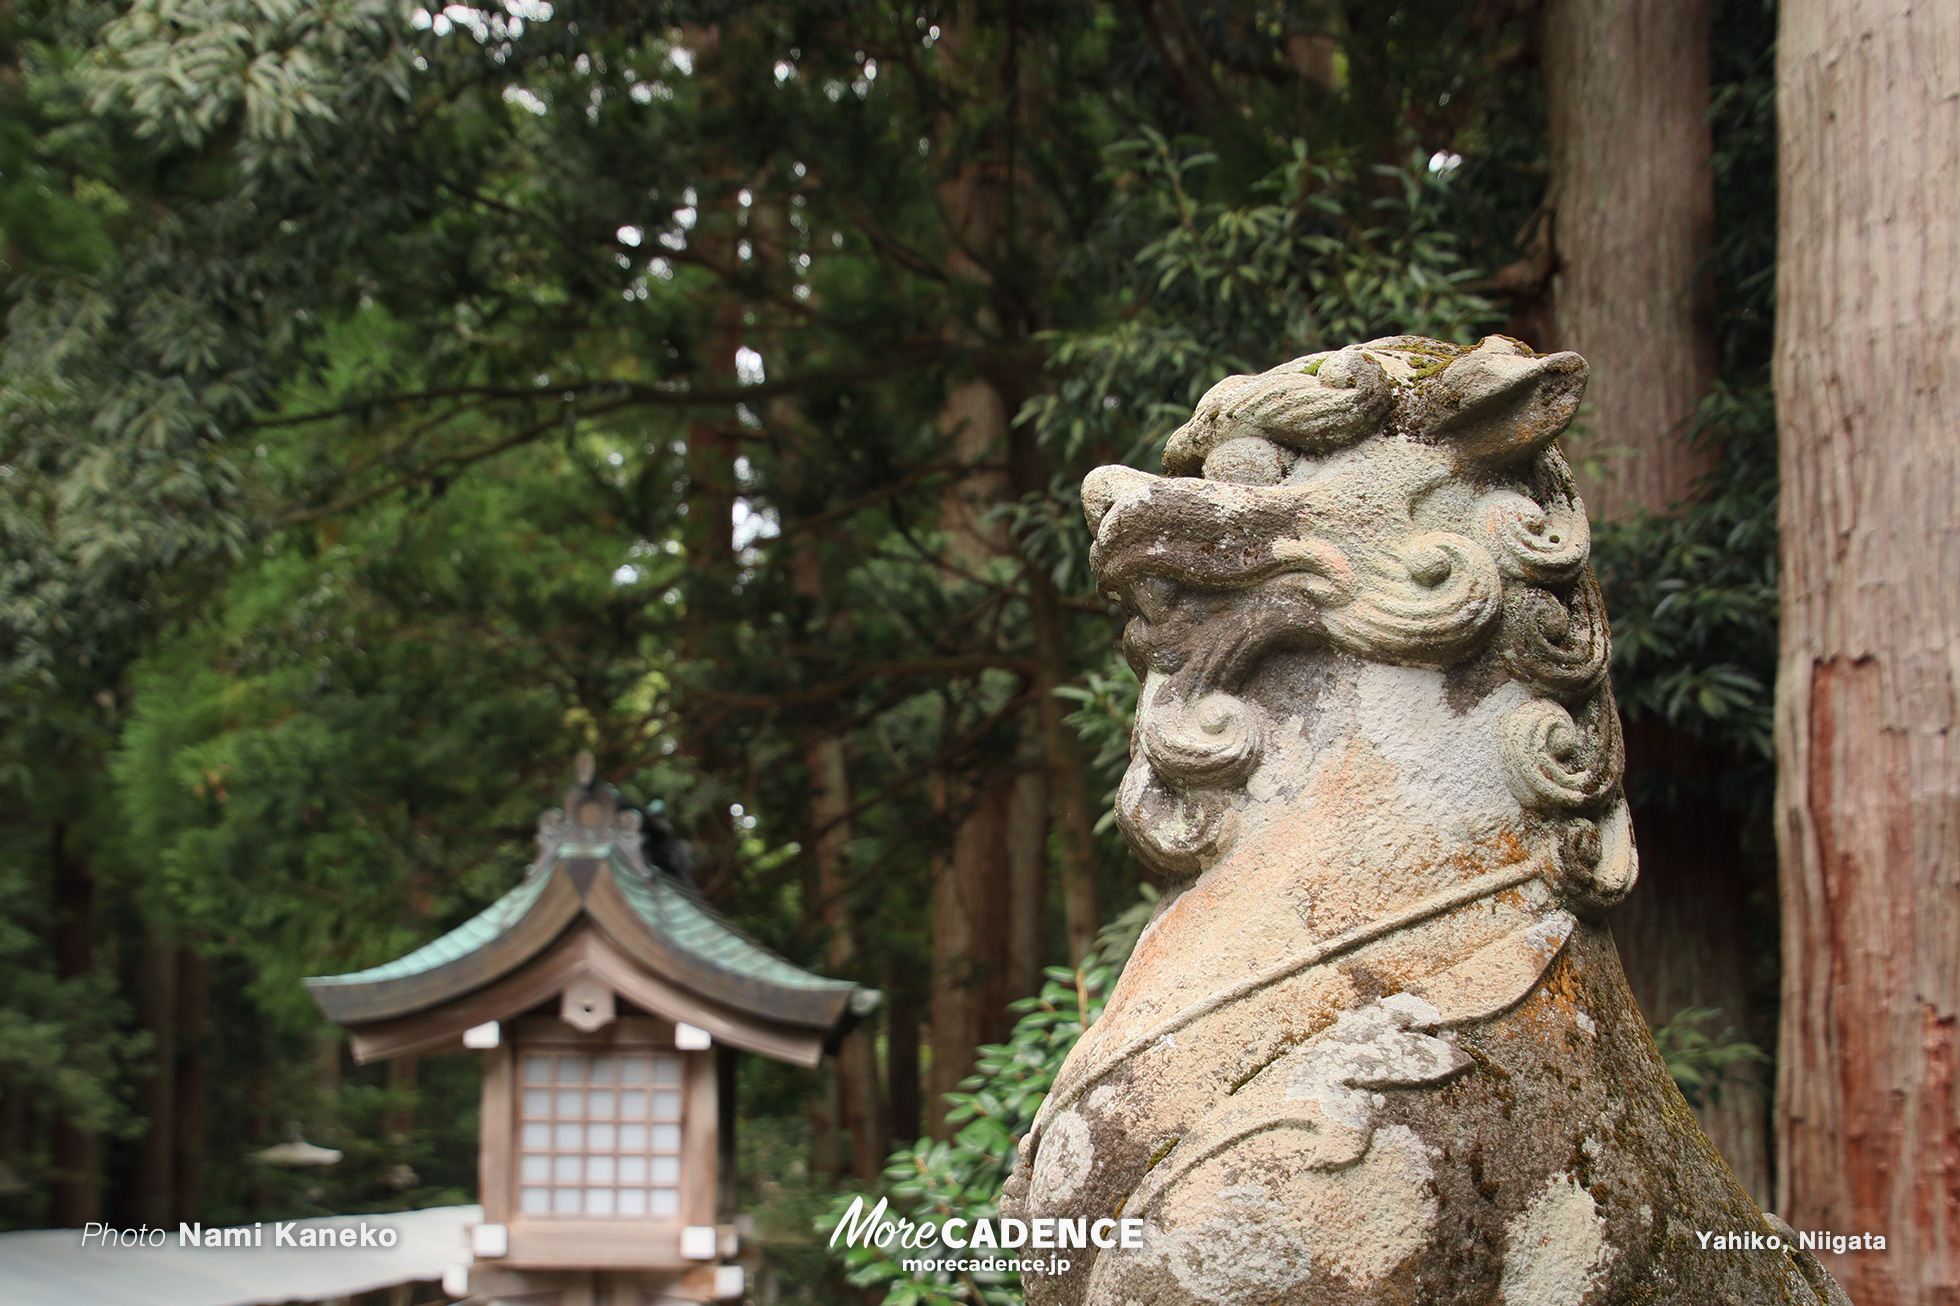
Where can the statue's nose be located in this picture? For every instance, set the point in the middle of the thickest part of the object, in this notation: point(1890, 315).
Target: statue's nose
point(1106, 487)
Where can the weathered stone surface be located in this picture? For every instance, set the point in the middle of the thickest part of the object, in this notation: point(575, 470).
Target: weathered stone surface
point(1376, 1045)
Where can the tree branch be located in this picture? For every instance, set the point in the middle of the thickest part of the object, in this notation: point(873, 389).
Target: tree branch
point(636, 394)
point(829, 690)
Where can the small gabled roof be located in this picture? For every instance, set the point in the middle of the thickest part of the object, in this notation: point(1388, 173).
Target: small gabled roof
point(591, 875)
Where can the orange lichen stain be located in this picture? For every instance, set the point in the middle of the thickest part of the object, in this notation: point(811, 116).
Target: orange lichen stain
point(1359, 777)
point(1505, 847)
point(1556, 1003)
point(1561, 986)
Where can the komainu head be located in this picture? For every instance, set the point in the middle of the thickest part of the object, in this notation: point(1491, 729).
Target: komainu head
point(1401, 501)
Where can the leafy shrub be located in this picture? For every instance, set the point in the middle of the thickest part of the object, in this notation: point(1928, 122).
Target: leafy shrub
point(962, 1176)
point(1699, 1061)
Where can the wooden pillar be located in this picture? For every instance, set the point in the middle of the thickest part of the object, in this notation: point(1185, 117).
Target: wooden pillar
point(727, 1170)
point(400, 1122)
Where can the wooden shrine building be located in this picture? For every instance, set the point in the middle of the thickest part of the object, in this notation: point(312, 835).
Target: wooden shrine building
point(610, 1002)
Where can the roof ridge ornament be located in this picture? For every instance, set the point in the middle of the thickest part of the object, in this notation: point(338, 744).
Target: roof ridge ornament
point(591, 814)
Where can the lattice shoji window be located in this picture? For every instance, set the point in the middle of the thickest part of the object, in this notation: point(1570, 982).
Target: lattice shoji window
point(599, 1135)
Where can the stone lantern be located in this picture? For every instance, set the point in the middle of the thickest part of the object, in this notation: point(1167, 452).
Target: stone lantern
point(610, 1003)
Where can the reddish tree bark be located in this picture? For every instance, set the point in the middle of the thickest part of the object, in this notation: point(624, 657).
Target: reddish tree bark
point(1686, 936)
point(860, 1112)
point(1868, 776)
point(1027, 880)
point(972, 878)
point(1067, 785)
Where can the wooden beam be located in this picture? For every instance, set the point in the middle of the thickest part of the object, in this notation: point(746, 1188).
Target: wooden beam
point(496, 1129)
point(583, 951)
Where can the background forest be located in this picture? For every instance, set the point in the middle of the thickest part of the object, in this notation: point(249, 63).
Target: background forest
point(395, 402)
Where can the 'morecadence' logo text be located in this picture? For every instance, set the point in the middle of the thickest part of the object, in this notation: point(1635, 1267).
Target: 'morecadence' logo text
point(873, 1228)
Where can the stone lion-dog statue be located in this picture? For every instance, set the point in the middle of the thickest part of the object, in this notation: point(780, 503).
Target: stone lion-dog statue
point(1376, 1045)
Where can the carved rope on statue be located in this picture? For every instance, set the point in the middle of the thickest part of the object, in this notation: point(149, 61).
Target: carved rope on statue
point(1375, 1046)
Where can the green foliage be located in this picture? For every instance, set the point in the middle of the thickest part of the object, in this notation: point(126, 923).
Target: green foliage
point(1313, 257)
point(1104, 722)
point(372, 435)
point(962, 1176)
point(60, 1039)
point(265, 70)
point(1700, 1062)
point(1693, 597)
point(346, 753)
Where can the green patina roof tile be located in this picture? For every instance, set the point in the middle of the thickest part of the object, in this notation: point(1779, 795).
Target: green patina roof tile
point(466, 938)
point(666, 908)
point(685, 940)
point(692, 927)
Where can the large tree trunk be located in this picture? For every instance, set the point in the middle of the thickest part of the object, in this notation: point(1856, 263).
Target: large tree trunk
point(859, 1110)
point(1067, 786)
point(986, 932)
point(193, 992)
point(1868, 776)
point(156, 1162)
point(74, 1151)
point(1631, 219)
point(1027, 880)
point(973, 877)
point(903, 1017)
point(857, 1055)
point(1686, 937)
point(707, 537)
point(969, 929)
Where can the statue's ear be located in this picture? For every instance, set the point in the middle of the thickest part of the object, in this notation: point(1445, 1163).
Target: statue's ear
point(1499, 404)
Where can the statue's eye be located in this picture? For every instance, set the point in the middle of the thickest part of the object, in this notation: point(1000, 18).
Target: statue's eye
point(1248, 460)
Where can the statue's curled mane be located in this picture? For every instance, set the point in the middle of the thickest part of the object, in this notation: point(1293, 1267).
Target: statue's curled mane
point(1403, 501)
